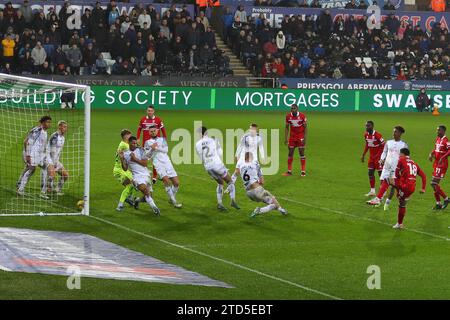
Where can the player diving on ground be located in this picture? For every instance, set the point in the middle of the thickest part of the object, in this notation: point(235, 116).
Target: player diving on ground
point(255, 191)
point(210, 153)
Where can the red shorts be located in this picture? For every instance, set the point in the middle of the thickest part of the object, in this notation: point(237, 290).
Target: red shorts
point(405, 192)
point(374, 163)
point(439, 171)
point(298, 142)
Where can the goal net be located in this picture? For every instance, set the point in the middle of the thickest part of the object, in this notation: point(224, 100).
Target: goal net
point(44, 147)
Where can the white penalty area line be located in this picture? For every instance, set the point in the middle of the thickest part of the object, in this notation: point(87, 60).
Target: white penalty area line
point(236, 265)
point(350, 215)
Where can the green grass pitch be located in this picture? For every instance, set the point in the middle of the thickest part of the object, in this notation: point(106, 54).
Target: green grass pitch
point(326, 243)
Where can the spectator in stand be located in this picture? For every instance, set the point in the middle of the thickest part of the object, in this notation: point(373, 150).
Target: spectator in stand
point(45, 69)
point(8, 44)
point(351, 5)
point(281, 41)
point(39, 56)
point(27, 12)
point(100, 65)
point(147, 71)
point(144, 17)
point(438, 5)
point(74, 57)
point(388, 5)
point(241, 14)
point(90, 55)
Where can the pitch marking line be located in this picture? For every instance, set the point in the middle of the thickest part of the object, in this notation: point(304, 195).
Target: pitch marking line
point(340, 212)
point(236, 265)
point(4, 268)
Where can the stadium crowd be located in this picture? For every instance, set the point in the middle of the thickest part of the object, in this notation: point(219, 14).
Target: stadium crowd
point(304, 47)
point(143, 42)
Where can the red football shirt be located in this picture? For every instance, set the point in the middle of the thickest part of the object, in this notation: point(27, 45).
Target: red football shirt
point(374, 143)
point(146, 124)
point(442, 146)
point(297, 125)
point(406, 173)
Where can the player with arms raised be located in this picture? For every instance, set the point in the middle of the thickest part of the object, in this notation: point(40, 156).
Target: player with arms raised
point(124, 177)
point(389, 159)
point(145, 124)
point(296, 128)
point(405, 183)
point(210, 153)
point(440, 156)
point(255, 191)
point(34, 155)
point(136, 160)
point(250, 142)
point(156, 148)
point(54, 149)
point(375, 144)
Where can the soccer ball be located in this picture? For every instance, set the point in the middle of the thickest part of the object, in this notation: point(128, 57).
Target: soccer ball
point(80, 205)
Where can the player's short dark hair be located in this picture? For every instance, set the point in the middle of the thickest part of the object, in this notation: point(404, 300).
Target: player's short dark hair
point(132, 138)
point(204, 129)
point(151, 107)
point(370, 122)
point(124, 132)
point(443, 127)
point(254, 125)
point(399, 129)
point(44, 119)
point(294, 105)
point(405, 151)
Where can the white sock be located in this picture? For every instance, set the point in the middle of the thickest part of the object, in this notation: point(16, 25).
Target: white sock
point(174, 190)
point(268, 208)
point(234, 178)
point(170, 194)
point(388, 201)
point(150, 201)
point(50, 182)
point(44, 180)
point(372, 189)
point(120, 204)
point(232, 189)
point(219, 193)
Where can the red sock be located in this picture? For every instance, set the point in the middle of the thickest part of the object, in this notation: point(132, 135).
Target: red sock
point(290, 159)
point(441, 192)
point(303, 162)
point(437, 196)
point(401, 214)
point(383, 188)
point(155, 174)
point(372, 181)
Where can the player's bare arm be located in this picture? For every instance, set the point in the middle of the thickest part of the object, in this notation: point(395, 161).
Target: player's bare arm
point(122, 161)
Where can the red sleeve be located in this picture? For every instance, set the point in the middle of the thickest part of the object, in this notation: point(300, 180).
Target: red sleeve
point(380, 139)
point(423, 176)
point(287, 119)
point(138, 133)
point(161, 127)
point(304, 118)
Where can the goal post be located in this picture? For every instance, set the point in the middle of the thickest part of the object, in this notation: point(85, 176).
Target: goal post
point(44, 147)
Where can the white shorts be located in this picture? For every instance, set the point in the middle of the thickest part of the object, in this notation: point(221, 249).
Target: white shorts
point(142, 179)
point(259, 194)
point(217, 171)
point(37, 160)
point(388, 172)
point(58, 166)
point(165, 170)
